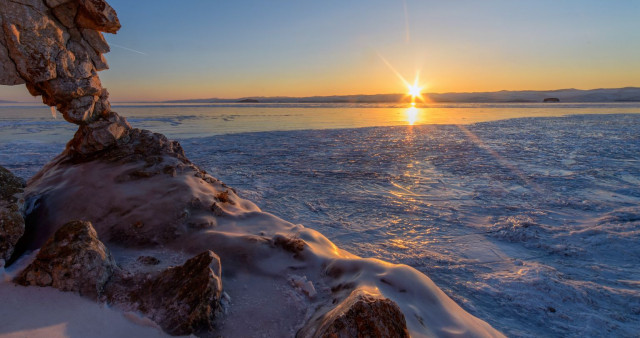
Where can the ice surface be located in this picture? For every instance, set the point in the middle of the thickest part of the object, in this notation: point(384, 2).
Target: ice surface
point(531, 224)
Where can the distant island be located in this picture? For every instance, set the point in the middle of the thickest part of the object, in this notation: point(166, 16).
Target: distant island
point(627, 94)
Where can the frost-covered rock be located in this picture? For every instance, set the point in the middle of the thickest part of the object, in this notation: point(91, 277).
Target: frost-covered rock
point(73, 259)
point(182, 300)
point(361, 314)
point(11, 220)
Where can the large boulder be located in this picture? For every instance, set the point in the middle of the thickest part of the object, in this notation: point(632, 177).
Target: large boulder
point(182, 300)
point(73, 259)
point(361, 314)
point(11, 220)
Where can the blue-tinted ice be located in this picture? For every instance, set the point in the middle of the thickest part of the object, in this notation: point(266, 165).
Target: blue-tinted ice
point(531, 224)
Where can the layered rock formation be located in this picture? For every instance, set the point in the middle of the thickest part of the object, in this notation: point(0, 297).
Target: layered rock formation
point(11, 221)
point(55, 47)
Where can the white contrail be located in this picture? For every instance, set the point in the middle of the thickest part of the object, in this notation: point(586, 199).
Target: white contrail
point(129, 49)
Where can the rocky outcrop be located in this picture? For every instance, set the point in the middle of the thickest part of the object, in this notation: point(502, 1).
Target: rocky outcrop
point(182, 300)
point(55, 47)
point(139, 193)
point(11, 220)
point(73, 259)
point(361, 314)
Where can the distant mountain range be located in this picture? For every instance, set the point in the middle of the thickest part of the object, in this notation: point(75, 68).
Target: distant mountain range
point(627, 94)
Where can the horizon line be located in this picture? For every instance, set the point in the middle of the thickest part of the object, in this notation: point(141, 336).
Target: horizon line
point(347, 95)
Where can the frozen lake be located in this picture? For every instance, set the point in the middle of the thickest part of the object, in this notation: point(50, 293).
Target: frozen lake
point(527, 218)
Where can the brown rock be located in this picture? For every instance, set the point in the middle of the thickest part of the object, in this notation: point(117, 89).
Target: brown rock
point(8, 72)
point(56, 47)
point(56, 3)
point(65, 12)
point(183, 299)
point(11, 220)
point(361, 314)
point(96, 40)
point(100, 134)
point(97, 15)
point(33, 40)
point(73, 259)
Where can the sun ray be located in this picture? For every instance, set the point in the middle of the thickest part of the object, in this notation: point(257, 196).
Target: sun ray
point(415, 89)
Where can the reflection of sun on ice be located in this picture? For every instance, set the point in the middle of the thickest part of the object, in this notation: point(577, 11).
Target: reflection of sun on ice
point(415, 91)
point(412, 115)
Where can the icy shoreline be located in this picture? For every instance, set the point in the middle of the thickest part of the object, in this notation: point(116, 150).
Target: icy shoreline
point(532, 218)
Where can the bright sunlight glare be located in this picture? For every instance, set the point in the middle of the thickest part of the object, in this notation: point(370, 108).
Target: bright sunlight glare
point(414, 91)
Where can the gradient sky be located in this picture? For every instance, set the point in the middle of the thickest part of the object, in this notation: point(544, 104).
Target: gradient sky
point(201, 49)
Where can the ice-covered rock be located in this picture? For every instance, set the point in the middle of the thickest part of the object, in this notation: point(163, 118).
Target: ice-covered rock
point(361, 314)
point(73, 259)
point(142, 192)
point(11, 220)
point(182, 300)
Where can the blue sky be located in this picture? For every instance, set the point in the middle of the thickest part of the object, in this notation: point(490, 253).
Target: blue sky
point(197, 49)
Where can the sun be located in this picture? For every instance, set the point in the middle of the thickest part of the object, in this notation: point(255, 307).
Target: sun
point(415, 90)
